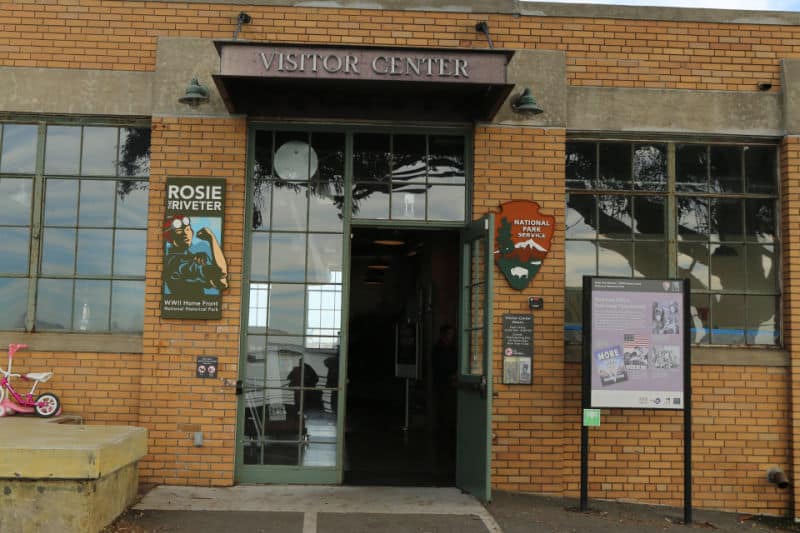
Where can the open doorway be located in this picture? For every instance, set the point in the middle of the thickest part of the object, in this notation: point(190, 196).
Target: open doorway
point(401, 414)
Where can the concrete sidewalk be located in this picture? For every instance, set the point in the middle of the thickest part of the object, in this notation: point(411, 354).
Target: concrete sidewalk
point(309, 509)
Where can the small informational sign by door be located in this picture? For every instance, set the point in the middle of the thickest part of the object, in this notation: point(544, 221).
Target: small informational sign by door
point(517, 348)
point(195, 270)
point(207, 367)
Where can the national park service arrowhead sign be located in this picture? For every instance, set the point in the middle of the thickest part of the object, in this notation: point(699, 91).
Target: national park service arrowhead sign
point(522, 239)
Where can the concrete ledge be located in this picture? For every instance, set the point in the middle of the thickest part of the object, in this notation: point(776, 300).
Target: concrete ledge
point(66, 505)
point(41, 450)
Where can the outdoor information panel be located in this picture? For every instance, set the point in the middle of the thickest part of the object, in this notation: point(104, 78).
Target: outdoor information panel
point(637, 332)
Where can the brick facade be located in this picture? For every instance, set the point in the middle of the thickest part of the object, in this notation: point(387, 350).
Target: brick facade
point(746, 418)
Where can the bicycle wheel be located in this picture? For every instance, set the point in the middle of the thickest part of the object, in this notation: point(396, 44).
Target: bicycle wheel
point(47, 405)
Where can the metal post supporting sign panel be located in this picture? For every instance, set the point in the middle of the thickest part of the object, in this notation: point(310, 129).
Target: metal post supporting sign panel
point(636, 354)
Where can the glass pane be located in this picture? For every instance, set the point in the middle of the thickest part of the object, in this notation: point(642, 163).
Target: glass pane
point(573, 327)
point(446, 202)
point(257, 312)
point(762, 325)
point(760, 169)
point(727, 319)
point(727, 222)
point(132, 204)
point(129, 252)
point(581, 165)
point(324, 257)
point(99, 151)
point(259, 258)
point(762, 268)
point(327, 186)
point(94, 251)
point(760, 220)
point(650, 167)
point(58, 251)
point(323, 319)
point(409, 161)
point(293, 159)
point(691, 162)
point(289, 206)
point(14, 250)
point(286, 309)
point(651, 216)
point(14, 293)
point(446, 159)
point(15, 201)
point(699, 316)
point(318, 453)
point(615, 258)
point(134, 152)
point(19, 148)
point(262, 200)
point(288, 257)
point(54, 304)
point(371, 200)
point(616, 220)
point(476, 352)
point(615, 166)
point(581, 216)
point(371, 157)
point(92, 299)
point(97, 203)
point(61, 203)
point(651, 260)
point(693, 264)
point(408, 202)
point(726, 169)
point(694, 218)
point(727, 267)
point(62, 150)
point(127, 306)
point(581, 261)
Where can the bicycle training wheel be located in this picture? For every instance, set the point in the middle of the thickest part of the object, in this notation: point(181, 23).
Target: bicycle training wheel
point(47, 405)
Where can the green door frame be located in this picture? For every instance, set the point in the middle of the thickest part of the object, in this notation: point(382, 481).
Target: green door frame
point(327, 475)
point(474, 423)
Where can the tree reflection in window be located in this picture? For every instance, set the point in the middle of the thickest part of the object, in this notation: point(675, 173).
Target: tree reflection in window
point(724, 225)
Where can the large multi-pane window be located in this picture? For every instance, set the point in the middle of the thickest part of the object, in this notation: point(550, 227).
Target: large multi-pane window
point(706, 212)
point(73, 223)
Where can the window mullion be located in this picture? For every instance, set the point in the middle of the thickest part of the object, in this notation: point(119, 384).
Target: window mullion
point(36, 227)
point(671, 210)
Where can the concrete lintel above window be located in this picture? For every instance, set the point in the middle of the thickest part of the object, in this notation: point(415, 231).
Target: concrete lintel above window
point(74, 342)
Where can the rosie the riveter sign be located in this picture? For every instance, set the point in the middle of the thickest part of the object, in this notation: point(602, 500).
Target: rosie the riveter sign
point(195, 269)
point(522, 240)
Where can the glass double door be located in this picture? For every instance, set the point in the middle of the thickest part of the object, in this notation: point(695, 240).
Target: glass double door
point(305, 189)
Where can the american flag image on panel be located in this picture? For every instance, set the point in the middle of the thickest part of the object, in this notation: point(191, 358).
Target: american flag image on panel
point(630, 342)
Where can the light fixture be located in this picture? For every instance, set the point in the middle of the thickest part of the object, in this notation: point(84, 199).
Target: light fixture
point(374, 277)
point(483, 27)
point(295, 160)
point(389, 242)
point(196, 94)
point(378, 264)
point(526, 103)
point(242, 19)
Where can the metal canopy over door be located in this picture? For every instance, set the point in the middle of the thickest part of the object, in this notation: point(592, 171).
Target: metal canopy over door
point(474, 447)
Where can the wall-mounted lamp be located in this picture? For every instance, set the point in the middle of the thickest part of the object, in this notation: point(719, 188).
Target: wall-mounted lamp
point(241, 20)
point(483, 27)
point(196, 94)
point(525, 103)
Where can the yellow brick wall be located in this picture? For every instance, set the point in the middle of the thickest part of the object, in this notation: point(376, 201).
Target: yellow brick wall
point(121, 35)
point(174, 403)
point(527, 164)
point(790, 238)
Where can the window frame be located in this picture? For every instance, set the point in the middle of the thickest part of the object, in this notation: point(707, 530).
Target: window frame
point(671, 194)
point(128, 340)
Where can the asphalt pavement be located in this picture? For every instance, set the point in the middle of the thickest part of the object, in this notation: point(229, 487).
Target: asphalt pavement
point(311, 509)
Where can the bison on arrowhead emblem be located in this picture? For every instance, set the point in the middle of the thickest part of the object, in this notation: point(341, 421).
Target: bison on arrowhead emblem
point(522, 240)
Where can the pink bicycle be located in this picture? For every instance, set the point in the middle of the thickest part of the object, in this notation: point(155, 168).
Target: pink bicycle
point(45, 405)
